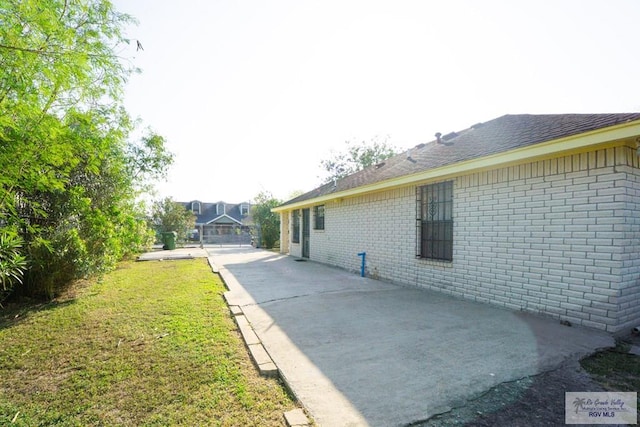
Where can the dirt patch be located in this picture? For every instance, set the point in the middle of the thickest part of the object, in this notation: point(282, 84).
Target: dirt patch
point(532, 401)
point(540, 400)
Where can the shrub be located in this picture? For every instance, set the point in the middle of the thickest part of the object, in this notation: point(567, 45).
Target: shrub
point(12, 262)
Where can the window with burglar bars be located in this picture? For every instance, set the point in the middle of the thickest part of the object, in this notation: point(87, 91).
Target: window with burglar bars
point(318, 214)
point(435, 221)
point(295, 238)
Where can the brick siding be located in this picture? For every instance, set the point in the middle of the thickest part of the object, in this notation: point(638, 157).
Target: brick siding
point(559, 237)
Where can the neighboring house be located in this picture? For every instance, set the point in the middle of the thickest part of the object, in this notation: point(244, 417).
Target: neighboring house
point(221, 223)
point(531, 212)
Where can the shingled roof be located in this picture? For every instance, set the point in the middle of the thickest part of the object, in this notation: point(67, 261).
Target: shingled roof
point(483, 139)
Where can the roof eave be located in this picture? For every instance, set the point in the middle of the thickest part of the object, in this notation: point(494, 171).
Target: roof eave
point(552, 148)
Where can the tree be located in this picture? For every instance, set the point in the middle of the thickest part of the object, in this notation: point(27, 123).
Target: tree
point(70, 174)
point(295, 193)
point(167, 215)
point(266, 222)
point(356, 157)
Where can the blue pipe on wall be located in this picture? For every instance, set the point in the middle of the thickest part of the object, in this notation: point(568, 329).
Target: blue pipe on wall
point(363, 255)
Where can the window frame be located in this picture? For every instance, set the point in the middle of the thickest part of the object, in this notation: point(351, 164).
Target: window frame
point(295, 226)
point(435, 221)
point(318, 217)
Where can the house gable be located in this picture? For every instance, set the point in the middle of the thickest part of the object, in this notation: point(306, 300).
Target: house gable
point(224, 219)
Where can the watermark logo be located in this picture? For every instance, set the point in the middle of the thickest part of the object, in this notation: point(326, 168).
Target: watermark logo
point(601, 408)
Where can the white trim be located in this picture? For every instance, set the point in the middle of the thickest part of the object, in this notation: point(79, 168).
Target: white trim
point(221, 216)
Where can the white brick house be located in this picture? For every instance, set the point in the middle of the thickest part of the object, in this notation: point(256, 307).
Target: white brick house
point(531, 212)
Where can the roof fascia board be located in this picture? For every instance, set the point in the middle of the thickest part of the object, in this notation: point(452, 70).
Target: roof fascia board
point(574, 143)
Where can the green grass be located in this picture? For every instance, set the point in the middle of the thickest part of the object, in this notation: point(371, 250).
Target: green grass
point(150, 344)
point(615, 369)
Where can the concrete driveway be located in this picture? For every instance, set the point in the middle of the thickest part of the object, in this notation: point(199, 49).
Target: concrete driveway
point(357, 351)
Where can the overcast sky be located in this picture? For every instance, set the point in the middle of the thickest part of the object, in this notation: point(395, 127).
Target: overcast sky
point(251, 95)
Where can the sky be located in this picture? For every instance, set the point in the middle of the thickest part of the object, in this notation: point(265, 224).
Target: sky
point(252, 94)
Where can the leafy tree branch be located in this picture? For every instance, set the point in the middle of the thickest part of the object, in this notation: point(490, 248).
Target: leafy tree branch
point(355, 157)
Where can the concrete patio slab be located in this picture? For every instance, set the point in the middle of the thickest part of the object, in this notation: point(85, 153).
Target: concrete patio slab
point(357, 351)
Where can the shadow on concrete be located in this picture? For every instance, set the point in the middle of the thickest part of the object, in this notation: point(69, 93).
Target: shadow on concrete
point(358, 351)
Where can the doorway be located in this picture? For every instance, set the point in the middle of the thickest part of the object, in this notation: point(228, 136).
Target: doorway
point(306, 226)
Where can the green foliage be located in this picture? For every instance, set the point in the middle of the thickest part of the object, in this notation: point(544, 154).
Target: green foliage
point(59, 53)
point(266, 222)
point(356, 157)
point(70, 174)
point(167, 215)
point(135, 235)
point(12, 262)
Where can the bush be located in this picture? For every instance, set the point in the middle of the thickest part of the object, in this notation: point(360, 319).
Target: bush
point(12, 262)
point(267, 222)
point(92, 245)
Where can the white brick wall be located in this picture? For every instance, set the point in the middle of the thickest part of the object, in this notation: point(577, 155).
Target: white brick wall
point(560, 237)
point(628, 300)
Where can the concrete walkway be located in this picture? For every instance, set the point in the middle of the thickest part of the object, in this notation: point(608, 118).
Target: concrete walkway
point(357, 351)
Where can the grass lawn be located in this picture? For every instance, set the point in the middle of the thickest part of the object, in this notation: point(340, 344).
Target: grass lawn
point(152, 343)
point(615, 369)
